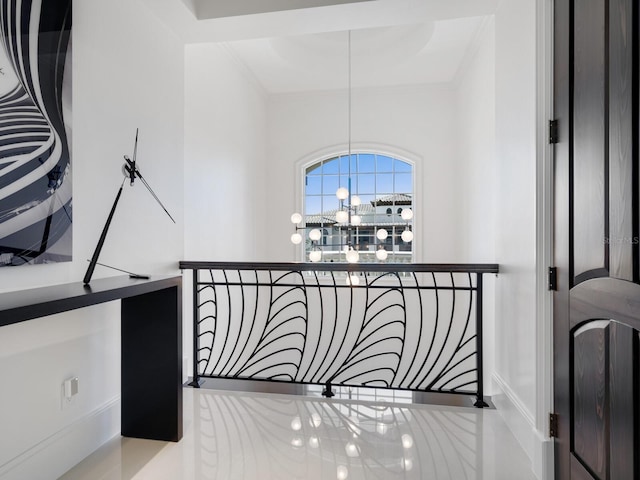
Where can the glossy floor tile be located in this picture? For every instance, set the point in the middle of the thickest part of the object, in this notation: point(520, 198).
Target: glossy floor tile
point(247, 436)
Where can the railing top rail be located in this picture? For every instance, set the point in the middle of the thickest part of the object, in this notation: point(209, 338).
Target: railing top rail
point(344, 267)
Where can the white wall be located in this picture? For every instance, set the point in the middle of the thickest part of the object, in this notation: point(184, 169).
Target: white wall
point(416, 123)
point(127, 73)
point(226, 203)
point(476, 146)
point(516, 219)
point(225, 158)
point(516, 156)
point(475, 140)
point(496, 119)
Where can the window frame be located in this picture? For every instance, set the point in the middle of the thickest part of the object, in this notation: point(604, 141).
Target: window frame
point(397, 154)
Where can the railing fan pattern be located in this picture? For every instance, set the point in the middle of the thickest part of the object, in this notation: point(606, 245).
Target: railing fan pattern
point(404, 326)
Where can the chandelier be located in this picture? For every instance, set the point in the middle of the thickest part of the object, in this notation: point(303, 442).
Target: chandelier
point(348, 220)
point(347, 217)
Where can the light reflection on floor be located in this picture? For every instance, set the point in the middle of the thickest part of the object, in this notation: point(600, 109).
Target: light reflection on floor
point(244, 436)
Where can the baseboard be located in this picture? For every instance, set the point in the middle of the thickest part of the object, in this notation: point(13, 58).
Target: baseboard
point(522, 424)
point(58, 453)
point(543, 458)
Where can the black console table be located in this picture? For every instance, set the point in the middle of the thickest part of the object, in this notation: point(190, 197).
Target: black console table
point(151, 329)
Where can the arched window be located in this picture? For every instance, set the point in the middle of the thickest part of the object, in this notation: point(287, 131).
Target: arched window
point(383, 184)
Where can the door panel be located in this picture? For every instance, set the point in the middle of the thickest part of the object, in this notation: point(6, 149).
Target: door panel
point(589, 120)
point(597, 218)
point(605, 363)
point(621, 235)
point(578, 472)
point(623, 365)
point(589, 396)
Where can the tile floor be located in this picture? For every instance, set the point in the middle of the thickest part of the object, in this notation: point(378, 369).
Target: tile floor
point(247, 436)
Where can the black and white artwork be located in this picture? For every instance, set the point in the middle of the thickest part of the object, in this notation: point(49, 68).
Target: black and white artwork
point(35, 132)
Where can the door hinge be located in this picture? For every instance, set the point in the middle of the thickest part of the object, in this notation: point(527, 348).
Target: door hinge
point(553, 131)
point(553, 425)
point(553, 279)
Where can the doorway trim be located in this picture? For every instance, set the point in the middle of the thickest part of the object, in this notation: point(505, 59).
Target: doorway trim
point(543, 459)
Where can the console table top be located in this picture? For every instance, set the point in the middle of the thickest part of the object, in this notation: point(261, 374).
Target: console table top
point(24, 305)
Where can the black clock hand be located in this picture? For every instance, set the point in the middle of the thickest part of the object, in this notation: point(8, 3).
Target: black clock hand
point(144, 182)
point(131, 170)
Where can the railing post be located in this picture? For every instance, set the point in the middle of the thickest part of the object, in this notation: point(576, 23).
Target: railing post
point(195, 379)
point(328, 392)
point(480, 403)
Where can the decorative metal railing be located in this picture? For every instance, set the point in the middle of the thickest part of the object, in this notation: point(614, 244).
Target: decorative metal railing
point(403, 326)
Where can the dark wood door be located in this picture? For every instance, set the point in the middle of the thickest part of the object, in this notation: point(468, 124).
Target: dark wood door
point(597, 305)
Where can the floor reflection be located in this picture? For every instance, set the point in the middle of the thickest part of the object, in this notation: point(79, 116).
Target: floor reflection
point(248, 436)
point(253, 436)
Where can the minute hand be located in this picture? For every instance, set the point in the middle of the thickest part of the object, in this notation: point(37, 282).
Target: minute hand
point(139, 175)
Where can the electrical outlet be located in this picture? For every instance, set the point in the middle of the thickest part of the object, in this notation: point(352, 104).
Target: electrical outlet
point(69, 391)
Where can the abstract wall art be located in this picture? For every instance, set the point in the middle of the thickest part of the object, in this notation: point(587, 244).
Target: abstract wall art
point(35, 132)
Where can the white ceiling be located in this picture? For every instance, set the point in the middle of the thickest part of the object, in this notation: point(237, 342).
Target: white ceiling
point(205, 9)
point(380, 57)
point(180, 17)
point(289, 48)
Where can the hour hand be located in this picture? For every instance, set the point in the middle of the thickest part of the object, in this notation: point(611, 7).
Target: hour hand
point(130, 169)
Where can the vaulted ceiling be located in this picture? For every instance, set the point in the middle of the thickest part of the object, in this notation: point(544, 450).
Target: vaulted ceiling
point(301, 45)
point(399, 55)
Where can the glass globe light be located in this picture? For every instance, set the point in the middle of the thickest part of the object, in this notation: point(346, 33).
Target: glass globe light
point(356, 219)
point(381, 254)
point(353, 280)
point(407, 236)
point(382, 234)
point(314, 442)
point(296, 218)
point(355, 201)
point(343, 472)
point(353, 256)
point(296, 238)
point(297, 442)
point(352, 449)
point(342, 216)
point(315, 234)
point(315, 255)
point(407, 464)
point(296, 424)
point(342, 193)
point(407, 441)
point(407, 214)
